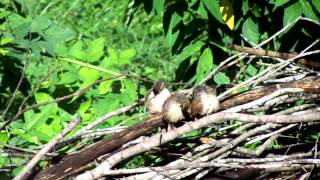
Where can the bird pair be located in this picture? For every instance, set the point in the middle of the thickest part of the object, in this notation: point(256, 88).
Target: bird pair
point(177, 107)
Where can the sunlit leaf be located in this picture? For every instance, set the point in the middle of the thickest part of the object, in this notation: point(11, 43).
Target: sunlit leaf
point(227, 13)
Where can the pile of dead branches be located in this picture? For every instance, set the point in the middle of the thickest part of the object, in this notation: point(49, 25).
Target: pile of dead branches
point(256, 134)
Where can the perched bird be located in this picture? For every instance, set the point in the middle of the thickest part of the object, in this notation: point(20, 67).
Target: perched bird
point(204, 101)
point(156, 97)
point(175, 108)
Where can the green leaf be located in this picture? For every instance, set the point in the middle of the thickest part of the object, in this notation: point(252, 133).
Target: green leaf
point(88, 76)
point(214, 9)
point(105, 86)
point(113, 55)
point(84, 106)
point(291, 13)
point(77, 51)
point(29, 137)
point(172, 34)
point(109, 103)
point(67, 78)
point(250, 30)
point(16, 20)
point(4, 41)
point(95, 50)
point(189, 51)
point(245, 7)
point(251, 70)
point(46, 47)
point(205, 64)
point(40, 23)
point(4, 137)
point(308, 10)
point(36, 120)
point(316, 4)
point(202, 11)
point(59, 34)
point(4, 13)
point(280, 2)
point(221, 78)
point(43, 134)
point(158, 5)
point(126, 56)
point(130, 90)
point(64, 115)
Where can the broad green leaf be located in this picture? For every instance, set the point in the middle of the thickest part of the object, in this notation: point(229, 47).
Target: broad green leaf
point(204, 65)
point(308, 10)
point(61, 50)
point(67, 78)
point(77, 51)
point(291, 13)
point(113, 55)
point(40, 23)
point(16, 20)
point(3, 51)
point(4, 41)
point(202, 11)
point(250, 30)
point(105, 86)
point(46, 47)
point(251, 70)
point(158, 5)
point(16, 171)
point(131, 90)
point(88, 76)
point(189, 51)
point(316, 4)
point(214, 9)
point(280, 2)
point(55, 125)
point(64, 115)
point(44, 133)
point(29, 119)
point(59, 34)
point(245, 7)
point(36, 120)
point(95, 50)
point(126, 56)
point(4, 137)
point(22, 30)
point(221, 78)
point(4, 13)
point(43, 97)
point(29, 137)
point(109, 103)
point(84, 106)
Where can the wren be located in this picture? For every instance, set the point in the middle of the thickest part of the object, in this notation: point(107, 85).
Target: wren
point(175, 108)
point(156, 97)
point(204, 101)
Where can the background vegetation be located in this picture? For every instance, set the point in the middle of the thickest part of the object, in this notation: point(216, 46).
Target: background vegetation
point(55, 48)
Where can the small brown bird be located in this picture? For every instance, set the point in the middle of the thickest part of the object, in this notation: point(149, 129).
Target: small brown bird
point(175, 108)
point(156, 97)
point(204, 101)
